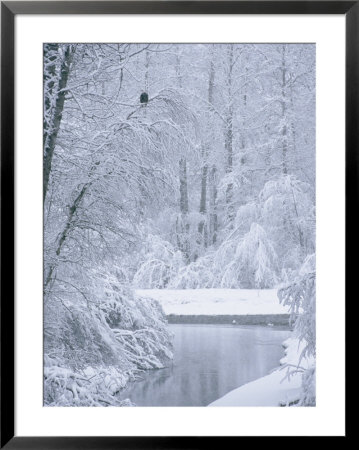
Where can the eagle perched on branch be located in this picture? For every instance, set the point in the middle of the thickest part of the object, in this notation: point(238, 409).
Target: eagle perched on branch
point(144, 98)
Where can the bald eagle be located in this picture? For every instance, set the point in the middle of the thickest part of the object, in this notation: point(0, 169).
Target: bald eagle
point(144, 97)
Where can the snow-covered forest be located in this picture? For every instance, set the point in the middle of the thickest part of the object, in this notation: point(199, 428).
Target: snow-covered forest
point(170, 166)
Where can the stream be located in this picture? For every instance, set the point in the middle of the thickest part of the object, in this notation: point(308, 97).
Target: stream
point(209, 361)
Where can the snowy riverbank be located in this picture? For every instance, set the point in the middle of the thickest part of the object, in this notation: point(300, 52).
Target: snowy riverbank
point(216, 301)
point(275, 389)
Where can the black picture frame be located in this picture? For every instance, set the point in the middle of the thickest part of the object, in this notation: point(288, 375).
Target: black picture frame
point(9, 9)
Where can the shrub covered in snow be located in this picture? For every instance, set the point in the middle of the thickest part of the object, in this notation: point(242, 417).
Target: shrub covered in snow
point(288, 215)
point(248, 262)
point(100, 328)
point(300, 296)
point(196, 275)
point(86, 387)
point(160, 263)
point(246, 215)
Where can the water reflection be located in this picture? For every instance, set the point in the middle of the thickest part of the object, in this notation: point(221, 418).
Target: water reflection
point(209, 361)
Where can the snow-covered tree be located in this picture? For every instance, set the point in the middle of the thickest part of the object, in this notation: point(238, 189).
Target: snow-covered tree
point(248, 262)
point(300, 296)
point(161, 262)
point(288, 214)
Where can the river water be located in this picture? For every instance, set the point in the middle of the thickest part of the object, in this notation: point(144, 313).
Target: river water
point(209, 361)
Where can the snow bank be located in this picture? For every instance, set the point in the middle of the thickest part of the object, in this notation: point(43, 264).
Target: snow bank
point(275, 389)
point(89, 387)
point(271, 390)
point(216, 301)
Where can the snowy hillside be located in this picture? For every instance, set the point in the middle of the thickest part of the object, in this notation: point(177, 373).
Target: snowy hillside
point(216, 301)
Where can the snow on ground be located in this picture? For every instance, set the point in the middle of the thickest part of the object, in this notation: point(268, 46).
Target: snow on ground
point(216, 301)
point(275, 389)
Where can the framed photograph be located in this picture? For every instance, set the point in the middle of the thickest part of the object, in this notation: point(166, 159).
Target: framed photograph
point(174, 260)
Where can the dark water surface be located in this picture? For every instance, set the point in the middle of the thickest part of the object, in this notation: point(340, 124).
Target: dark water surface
point(209, 361)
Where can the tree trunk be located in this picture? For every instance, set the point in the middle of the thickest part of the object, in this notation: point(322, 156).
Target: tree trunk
point(69, 224)
point(202, 227)
point(183, 225)
point(228, 139)
point(284, 114)
point(52, 130)
point(51, 54)
point(213, 220)
point(183, 186)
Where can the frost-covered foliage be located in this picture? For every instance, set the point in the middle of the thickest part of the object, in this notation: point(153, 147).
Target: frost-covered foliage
point(308, 394)
point(299, 295)
point(87, 387)
point(288, 213)
point(196, 275)
point(97, 338)
point(246, 215)
point(268, 240)
point(160, 264)
point(253, 262)
point(270, 236)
